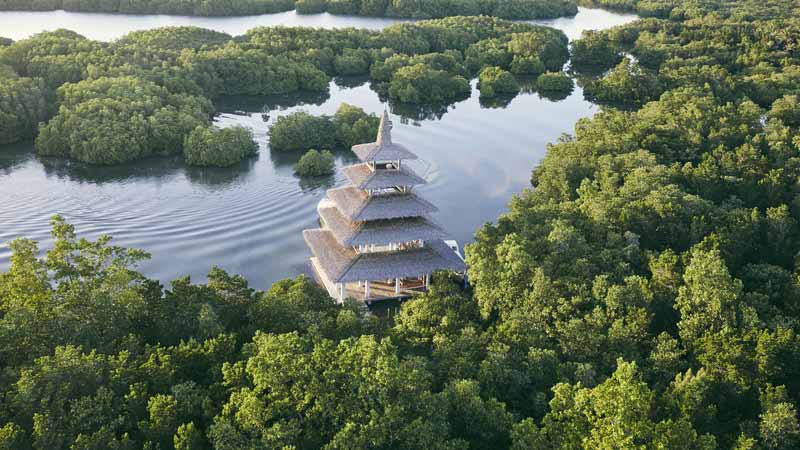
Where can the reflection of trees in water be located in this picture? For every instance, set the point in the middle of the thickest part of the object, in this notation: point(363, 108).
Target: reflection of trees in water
point(220, 176)
point(415, 111)
point(249, 104)
point(351, 82)
point(498, 102)
point(555, 96)
point(528, 86)
point(419, 112)
point(14, 155)
point(284, 159)
point(149, 169)
point(314, 184)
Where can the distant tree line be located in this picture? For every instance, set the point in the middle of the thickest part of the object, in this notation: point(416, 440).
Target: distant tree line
point(174, 7)
point(430, 9)
point(417, 9)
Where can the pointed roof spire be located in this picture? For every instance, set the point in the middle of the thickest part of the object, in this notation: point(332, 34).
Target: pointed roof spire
point(385, 130)
point(383, 149)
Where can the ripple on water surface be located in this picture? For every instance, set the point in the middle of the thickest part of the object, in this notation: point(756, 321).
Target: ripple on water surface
point(249, 219)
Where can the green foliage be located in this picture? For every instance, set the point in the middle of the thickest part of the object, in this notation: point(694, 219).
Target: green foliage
point(626, 84)
point(421, 83)
point(310, 6)
point(644, 294)
point(496, 81)
point(302, 131)
point(23, 105)
point(506, 9)
point(417, 9)
point(554, 82)
point(114, 120)
point(188, 7)
point(314, 163)
point(354, 126)
point(220, 147)
point(594, 51)
point(179, 69)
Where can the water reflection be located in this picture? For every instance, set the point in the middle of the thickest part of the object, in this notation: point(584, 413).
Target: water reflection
point(249, 218)
point(499, 101)
point(222, 177)
point(237, 104)
point(13, 156)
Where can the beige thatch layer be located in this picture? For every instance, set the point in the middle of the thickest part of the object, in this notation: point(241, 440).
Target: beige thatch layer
point(362, 176)
point(359, 206)
point(343, 265)
point(379, 232)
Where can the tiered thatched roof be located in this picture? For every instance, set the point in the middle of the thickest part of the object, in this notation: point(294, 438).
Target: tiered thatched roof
point(379, 209)
point(344, 265)
point(359, 206)
point(378, 232)
point(363, 177)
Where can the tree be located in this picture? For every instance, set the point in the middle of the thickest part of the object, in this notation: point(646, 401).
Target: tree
point(314, 164)
point(554, 82)
point(221, 147)
point(302, 131)
point(627, 84)
point(99, 123)
point(495, 81)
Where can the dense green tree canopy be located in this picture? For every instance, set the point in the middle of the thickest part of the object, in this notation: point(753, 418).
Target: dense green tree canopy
point(302, 131)
point(496, 81)
point(220, 147)
point(179, 69)
point(642, 294)
point(417, 9)
point(114, 120)
point(314, 164)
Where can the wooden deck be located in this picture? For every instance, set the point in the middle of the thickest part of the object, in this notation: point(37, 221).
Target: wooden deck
point(378, 290)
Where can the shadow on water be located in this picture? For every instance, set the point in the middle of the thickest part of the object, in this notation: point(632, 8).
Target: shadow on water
point(218, 177)
point(287, 159)
point(498, 102)
point(264, 104)
point(12, 156)
point(148, 169)
point(351, 82)
point(315, 184)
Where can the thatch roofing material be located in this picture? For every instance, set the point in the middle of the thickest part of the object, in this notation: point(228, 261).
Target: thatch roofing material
point(358, 206)
point(383, 149)
point(343, 265)
point(362, 176)
point(379, 232)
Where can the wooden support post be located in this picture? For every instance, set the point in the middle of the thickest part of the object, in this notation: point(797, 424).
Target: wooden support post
point(397, 286)
point(427, 281)
point(341, 292)
point(366, 290)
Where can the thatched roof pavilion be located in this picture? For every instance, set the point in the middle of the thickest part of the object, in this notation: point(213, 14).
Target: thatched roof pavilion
point(376, 229)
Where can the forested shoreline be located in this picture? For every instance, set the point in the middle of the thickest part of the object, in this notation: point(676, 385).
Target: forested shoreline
point(412, 9)
point(644, 293)
point(110, 103)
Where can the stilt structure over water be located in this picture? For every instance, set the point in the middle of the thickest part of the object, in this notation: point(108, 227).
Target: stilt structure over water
point(377, 241)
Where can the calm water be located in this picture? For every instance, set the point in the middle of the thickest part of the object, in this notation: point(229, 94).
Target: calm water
point(248, 219)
